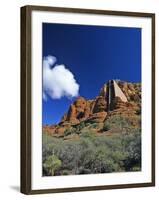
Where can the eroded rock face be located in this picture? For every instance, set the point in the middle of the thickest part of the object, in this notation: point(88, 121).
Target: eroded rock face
point(122, 108)
point(97, 117)
point(72, 114)
point(99, 109)
point(131, 90)
point(78, 111)
point(100, 104)
point(83, 109)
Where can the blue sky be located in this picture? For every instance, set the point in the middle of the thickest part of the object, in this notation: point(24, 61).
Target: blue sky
point(94, 55)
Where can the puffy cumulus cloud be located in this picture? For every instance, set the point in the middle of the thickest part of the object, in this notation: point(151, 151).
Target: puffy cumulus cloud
point(58, 81)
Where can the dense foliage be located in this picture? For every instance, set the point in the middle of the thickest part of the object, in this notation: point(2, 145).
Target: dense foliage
point(124, 125)
point(91, 154)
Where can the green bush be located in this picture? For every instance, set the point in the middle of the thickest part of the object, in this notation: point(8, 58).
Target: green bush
point(106, 127)
point(51, 164)
point(91, 154)
point(86, 133)
point(133, 148)
point(93, 125)
point(66, 172)
point(80, 126)
point(103, 162)
point(117, 122)
point(69, 131)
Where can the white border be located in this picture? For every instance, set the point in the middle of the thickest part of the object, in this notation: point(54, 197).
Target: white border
point(39, 182)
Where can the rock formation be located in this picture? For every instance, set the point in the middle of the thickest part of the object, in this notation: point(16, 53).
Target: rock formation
point(115, 98)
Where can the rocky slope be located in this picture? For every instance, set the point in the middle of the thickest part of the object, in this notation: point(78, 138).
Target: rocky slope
point(116, 98)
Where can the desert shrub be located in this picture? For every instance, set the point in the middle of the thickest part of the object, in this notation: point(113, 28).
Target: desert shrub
point(114, 142)
point(103, 155)
point(70, 153)
point(50, 146)
point(98, 160)
point(106, 127)
point(105, 165)
point(114, 152)
point(83, 170)
point(51, 164)
point(65, 172)
point(69, 131)
point(80, 126)
point(117, 122)
point(133, 149)
point(93, 125)
point(76, 129)
point(103, 162)
point(91, 154)
point(87, 155)
point(86, 133)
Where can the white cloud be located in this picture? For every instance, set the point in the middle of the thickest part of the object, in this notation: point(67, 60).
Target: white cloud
point(58, 81)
